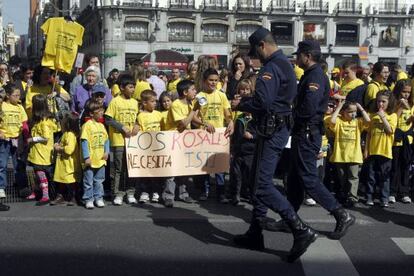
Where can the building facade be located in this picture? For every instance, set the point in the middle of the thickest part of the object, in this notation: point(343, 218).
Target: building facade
point(367, 31)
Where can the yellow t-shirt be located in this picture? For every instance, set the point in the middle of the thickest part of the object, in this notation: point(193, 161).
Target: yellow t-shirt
point(372, 91)
point(402, 124)
point(167, 122)
point(124, 111)
point(381, 143)
point(298, 72)
point(12, 119)
point(349, 86)
point(45, 90)
point(172, 86)
point(115, 90)
point(139, 87)
point(213, 111)
point(149, 121)
point(67, 168)
point(41, 153)
point(62, 41)
point(347, 142)
point(179, 111)
point(96, 135)
point(402, 76)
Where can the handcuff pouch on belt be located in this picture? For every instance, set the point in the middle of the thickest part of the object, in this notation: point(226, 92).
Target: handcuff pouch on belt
point(269, 124)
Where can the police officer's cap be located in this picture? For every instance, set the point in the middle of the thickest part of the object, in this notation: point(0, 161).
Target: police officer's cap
point(255, 39)
point(308, 46)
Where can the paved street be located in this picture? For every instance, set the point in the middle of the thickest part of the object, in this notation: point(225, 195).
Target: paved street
point(194, 240)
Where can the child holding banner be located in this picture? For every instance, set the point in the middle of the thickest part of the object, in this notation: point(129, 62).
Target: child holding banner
point(179, 115)
point(149, 119)
point(213, 115)
point(95, 153)
point(121, 117)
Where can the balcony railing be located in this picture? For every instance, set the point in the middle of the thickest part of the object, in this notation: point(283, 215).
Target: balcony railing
point(316, 6)
point(249, 5)
point(392, 7)
point(138, 3)
point(284, 5)
point(216, 4)
point(182, 4)
point(347, 7)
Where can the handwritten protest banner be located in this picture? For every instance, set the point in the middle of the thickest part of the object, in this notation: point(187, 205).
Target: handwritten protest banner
point(170, 153)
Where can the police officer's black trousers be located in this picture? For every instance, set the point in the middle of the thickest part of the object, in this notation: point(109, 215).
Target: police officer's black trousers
point(303, 175)
point(265, 195)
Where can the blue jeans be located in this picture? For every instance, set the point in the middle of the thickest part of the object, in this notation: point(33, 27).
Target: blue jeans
point(6, 150)
point(93, 183)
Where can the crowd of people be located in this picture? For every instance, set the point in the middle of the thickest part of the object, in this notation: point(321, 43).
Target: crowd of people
point(67, 132)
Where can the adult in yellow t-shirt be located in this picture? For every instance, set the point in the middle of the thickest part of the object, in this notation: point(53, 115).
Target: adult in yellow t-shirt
point(350, 80)
point(62, 40)
point(175, 79)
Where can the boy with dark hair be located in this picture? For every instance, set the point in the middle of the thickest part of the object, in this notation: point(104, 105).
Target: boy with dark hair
point(121, 117)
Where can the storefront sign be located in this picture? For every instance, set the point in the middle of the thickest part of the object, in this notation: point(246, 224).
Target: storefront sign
point(347, 35)
point(283, 32)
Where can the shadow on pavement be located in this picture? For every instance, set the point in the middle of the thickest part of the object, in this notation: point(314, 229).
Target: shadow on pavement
point(386, 215)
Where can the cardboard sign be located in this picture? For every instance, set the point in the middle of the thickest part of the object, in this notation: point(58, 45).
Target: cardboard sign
point(170, 153)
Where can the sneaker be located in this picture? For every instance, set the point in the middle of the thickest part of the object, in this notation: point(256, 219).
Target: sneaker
point(203, 197)
point(59, 200)
point(89, 205)
point(369, 202)
point(406, 199)
point(100, 203)
point(155, 197)
point(71, 202)
point(384, 204)
point(187, 199)
point(169, 203)
point(391, 199)
point(131, 199)
point(144, 198)
point(310, 202)
point(2, 193)
point(31, 196)
point(118, 201)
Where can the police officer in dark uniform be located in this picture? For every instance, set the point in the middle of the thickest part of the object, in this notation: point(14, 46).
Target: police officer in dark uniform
point(310, 106)
point(271, 108)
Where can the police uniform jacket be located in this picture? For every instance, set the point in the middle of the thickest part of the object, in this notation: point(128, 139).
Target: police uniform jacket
point(312, 98)
point(275, 89)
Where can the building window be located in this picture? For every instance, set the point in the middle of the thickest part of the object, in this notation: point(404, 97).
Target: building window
point(389, 36)
point(214, 33)
point(347, 35)
point(181, 31)
point(244, 31)
point(315, 31)
point(282, 32)
point(136, 30)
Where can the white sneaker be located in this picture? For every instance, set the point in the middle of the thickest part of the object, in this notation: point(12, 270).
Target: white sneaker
point(143, 198)
point(131, 199)
point(369, 202)
point(391, 199)
point(406, 199)
point(118, 201)
point(155, 197)
point(2, 193)
point(89, 205)
point(100, 203)
point(310, 202)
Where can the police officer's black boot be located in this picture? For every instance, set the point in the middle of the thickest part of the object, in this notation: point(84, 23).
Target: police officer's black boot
point(276, 226)
point(303, 237)
point(343, 221)
point(252, 239)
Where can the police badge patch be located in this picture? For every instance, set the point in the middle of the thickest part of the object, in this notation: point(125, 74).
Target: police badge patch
point(313, 86)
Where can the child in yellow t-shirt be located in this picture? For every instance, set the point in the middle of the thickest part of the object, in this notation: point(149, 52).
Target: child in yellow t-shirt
point(380, 139)
point(13, 120)
point(149, 119)
point(179, 116)
point(213, 115)
point(43, 126)
point(347, 153)
point(165, 102)
point(67, 168)
point(95, 153)
point(121, 116)
point(400, 187)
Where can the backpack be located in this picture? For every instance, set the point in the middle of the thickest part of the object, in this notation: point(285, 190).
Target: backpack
point(62, 107)
point(357, 95)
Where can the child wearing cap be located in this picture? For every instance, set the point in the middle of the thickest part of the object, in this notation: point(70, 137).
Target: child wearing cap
point(98, 95)
point(121, 118)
